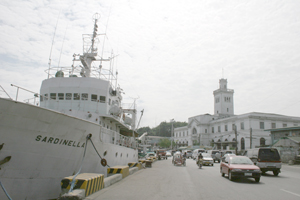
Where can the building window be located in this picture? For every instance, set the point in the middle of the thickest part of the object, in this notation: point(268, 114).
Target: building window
point(226, 129)
point(262, 125)
point(242, 144)
point(233, 125)
point(273, 125)
point(46, 97)
point(262, 142)
point(61, 96)
point(205, 130)
point(194, 131)
point(284, 125)
point(242, 126)
point(212, 129)
point(219, 128)
point(227, 109)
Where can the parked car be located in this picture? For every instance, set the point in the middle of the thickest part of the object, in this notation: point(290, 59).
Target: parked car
point(239, 167)
point(207, 159)
point(150, 155)
point(266, 158)
point(212, 153)
point(189, 153)
point(196, 152)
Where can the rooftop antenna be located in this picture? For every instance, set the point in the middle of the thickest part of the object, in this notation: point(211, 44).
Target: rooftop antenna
point(52, 45)
point(62, 46)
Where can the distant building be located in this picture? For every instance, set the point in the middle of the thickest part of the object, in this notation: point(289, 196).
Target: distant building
point(218, 130)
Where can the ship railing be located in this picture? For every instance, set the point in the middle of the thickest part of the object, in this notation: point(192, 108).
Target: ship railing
point(113, 137)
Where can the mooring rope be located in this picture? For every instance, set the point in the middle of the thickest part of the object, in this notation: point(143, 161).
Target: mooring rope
point(73, 180)
point(5, 191)
point(97, 151)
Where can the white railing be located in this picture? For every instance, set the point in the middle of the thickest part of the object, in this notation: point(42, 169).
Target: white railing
point(116, 138)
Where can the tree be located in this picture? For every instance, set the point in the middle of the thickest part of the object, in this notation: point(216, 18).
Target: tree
point(164, 143)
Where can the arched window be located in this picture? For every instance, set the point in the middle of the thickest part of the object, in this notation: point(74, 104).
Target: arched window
point(194, 131)
point(262, 142)
point(242, 144)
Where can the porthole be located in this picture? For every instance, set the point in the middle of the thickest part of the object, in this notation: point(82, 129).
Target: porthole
point(105, 152)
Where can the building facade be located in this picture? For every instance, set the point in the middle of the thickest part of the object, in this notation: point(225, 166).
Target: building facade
point(224, 130)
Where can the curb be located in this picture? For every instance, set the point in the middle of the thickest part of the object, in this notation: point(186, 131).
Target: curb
point(79, 194)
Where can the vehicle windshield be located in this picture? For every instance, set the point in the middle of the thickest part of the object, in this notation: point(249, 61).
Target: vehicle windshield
point(269, 154)
point(205, 155)
point(240, 160)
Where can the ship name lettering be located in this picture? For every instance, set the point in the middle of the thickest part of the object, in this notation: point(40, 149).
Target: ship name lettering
point(53, 140)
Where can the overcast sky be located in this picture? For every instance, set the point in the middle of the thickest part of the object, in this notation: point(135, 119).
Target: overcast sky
point(172, 53)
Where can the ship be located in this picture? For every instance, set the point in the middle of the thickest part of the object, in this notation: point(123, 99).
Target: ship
point(77, 123)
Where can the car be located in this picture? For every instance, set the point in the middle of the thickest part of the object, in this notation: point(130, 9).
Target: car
point(266, 158)
point(239, 167)
point(168, 153)
point(188, 153)
point(219, 155)
point(213, 155)
point(207, 159)
point(150, 155)
point(196, 152)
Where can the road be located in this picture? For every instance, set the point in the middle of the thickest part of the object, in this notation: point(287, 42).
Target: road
point(168, 182)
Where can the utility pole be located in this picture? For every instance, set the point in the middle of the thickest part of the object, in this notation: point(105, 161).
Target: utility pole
point(235, 132)
point(250, 138)
point(172, 133)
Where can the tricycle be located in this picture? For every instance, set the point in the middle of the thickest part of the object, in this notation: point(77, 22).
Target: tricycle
point(178, 159)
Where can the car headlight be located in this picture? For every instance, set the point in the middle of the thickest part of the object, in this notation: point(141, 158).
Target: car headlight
point(236, 170)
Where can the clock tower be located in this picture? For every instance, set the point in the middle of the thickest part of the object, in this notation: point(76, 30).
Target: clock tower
point(223, 99)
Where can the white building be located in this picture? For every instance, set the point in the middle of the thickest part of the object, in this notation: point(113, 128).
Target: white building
point(217, 130)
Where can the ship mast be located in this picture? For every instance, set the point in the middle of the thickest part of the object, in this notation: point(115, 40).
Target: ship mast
point(89, 50)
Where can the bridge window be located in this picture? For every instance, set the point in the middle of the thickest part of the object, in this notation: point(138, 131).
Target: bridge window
point(76, 96)
point(94, 97)
point(61, 96)
point(84, 96)
point(53, 96)
point(102, 99)
point(68, 96)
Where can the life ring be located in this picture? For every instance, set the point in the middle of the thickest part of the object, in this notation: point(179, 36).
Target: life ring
point(103, 162)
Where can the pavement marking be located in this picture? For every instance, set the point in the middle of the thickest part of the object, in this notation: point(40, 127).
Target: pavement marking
point(291, 192)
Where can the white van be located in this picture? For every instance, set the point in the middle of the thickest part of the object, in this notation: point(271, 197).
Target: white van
point(266, 158)
point(196, 152)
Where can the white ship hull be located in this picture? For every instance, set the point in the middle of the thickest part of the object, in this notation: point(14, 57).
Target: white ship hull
point(46, 146)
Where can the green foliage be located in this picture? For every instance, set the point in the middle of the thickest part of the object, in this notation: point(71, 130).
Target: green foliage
point(164, 129)
point(164, 143)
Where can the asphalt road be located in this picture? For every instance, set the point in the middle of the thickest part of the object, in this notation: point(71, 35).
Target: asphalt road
point(168, 182)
